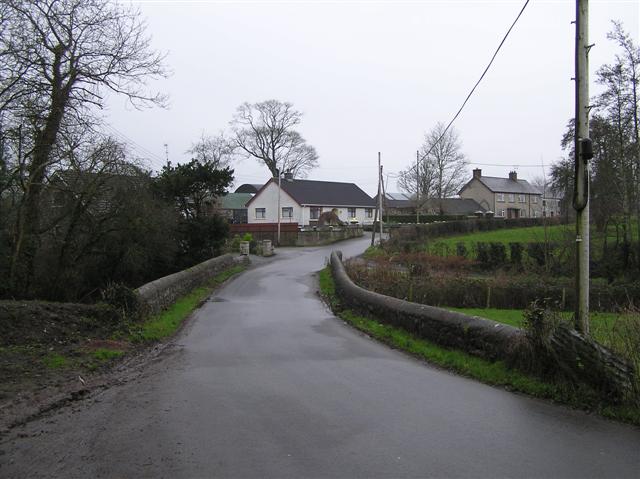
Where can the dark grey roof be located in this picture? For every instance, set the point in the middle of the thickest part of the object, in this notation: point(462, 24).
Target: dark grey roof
point(455, 206)
point(248, 188)
point(506, 185)
point(325, 193)
point(396, 200)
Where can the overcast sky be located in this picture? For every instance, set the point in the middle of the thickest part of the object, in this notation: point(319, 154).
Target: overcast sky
point(371, 76)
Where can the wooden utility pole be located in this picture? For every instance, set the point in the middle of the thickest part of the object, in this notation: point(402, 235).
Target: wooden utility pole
point(279, 193)
point(375, 218)
point(583, 153)
point(417, 187)
point(380, 189)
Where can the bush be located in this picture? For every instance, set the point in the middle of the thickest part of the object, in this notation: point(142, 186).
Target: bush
point(498, 254)
point(536, 251)
point(515, 254)
point(461, 250)
point(482, 255)
point(122, 298)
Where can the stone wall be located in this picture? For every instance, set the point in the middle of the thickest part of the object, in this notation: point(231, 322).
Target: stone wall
point(328, 235)
point(163, 292)
point(478, 336)
point(576, 358)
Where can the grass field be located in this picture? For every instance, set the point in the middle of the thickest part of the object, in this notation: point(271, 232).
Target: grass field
point(533, 234)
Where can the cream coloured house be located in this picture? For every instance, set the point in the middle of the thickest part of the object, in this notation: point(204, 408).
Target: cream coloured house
point(303, 201)
point(506, 197)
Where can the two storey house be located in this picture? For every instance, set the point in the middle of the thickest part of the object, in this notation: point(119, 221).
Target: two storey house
point(506, 197)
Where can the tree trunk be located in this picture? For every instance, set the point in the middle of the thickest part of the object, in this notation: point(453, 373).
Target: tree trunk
point(26, 239)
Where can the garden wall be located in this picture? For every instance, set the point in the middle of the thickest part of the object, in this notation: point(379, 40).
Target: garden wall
point(322, 236)
point(163, 292)
point(291, 235)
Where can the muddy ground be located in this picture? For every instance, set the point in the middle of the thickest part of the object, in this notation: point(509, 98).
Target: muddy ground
point(53, 353)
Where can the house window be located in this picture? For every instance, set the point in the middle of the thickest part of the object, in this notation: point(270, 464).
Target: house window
point(351, 212)
point(535, 214)
point(500, 197)
point(521, 198)
point(368, 212)
point(287, 212)
point(535, 199)
point(523, 214)
point(261, 213)
point(512, 198)
point(315, 212)
point(502, 213)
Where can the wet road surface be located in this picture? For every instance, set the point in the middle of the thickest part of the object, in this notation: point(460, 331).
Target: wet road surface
point(265, 382)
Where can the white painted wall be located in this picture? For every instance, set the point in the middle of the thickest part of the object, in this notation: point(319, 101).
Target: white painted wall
point(268, 199)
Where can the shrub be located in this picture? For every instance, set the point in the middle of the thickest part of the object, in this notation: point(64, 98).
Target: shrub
point(482, 255)
point(498, 254)
point(533, 352)
point(461, 250)
point(123, 298)
point(536, 251)
point(515, 254)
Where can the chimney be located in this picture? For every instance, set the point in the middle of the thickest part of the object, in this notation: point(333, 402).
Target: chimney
point(513, 176)
point(288, 176)
point(477, 173)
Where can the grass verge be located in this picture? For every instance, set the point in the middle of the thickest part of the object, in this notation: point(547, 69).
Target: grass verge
point(167, 322)
point(493, 373)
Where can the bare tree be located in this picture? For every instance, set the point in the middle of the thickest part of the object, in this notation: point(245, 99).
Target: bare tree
point(442, 166)
point(418, 178)
point(215, 150)
point(266, 132)
point(57, 57)
point(442, 150)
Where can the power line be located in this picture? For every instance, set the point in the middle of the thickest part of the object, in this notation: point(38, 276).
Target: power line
point(131, 143)
point(479, 80)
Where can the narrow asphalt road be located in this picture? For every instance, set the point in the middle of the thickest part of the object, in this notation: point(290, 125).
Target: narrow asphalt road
point(265, 382)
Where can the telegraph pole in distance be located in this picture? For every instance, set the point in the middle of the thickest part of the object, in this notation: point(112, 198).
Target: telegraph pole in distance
point(583, 153)
point(380, 196)
point(375, 218)
point(417, 187)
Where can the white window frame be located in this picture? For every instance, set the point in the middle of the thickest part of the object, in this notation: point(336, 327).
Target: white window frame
point(522, 199)
point(512, 198)
point(313, 209)
point(500, 197)
point(368, 212)
point(263, 215)
point(350, 210)
point(289, 210)
point(535, 199)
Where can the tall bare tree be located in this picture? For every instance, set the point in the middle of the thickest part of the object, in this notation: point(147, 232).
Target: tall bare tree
point(418, 178)
point(57, 58)
point(265, 131)
point(442, 165)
